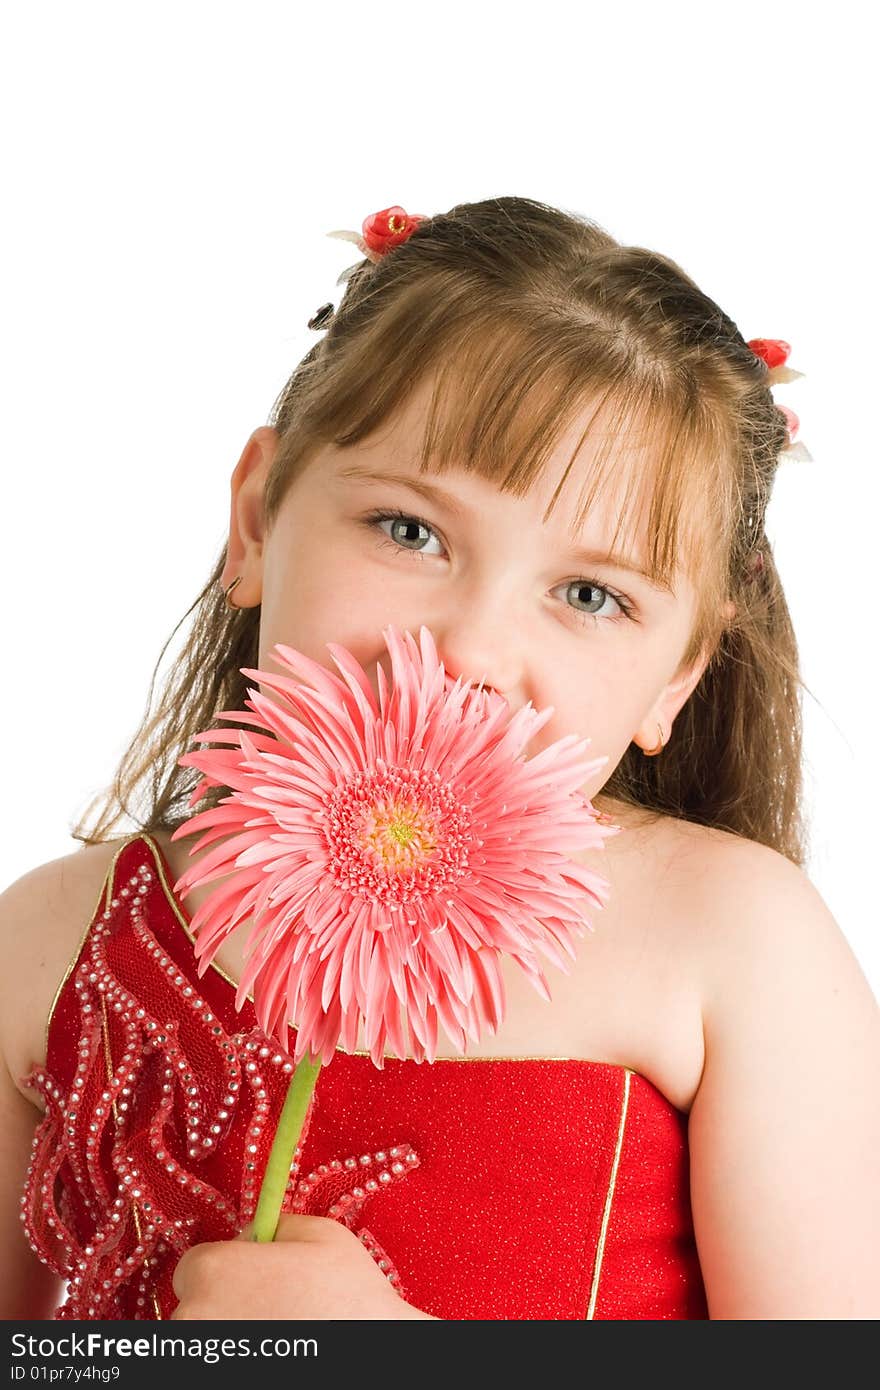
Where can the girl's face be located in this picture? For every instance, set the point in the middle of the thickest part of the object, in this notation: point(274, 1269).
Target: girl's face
point(506, 596)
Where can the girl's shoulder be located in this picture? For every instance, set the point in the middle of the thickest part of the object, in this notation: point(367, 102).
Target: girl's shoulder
point(43, 918)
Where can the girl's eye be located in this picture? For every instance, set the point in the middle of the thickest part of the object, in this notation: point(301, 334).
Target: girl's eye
point(402, 541)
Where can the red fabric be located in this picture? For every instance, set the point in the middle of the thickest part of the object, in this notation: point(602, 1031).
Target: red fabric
point(512, 1188)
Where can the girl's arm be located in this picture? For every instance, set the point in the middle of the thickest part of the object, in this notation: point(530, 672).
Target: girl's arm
point(42, 918)
point(30, 927)
point(28, 1290)
point(785, 1127)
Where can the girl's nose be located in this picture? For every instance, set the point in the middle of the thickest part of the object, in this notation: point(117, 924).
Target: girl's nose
point(477, 661)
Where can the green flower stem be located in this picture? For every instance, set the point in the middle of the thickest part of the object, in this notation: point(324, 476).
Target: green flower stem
point(277, 1174)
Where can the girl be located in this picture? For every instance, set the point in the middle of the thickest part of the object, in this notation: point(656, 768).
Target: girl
point(557, 453)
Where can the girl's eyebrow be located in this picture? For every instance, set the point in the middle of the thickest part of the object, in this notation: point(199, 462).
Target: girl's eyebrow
point(440, 497)
point(431, 493)
point(610, 559)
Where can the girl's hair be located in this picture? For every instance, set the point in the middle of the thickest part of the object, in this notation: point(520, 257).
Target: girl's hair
point(524, 315)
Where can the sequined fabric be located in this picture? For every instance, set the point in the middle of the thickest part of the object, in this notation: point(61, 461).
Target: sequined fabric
point(504, 1188)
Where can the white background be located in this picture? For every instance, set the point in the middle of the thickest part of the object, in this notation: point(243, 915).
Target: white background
point(170, 172)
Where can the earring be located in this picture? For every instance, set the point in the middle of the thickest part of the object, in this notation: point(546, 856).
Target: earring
point(227, 592)
point(652, 752)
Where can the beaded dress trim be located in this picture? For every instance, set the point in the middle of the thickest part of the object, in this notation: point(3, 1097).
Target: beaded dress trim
point(111, 1242)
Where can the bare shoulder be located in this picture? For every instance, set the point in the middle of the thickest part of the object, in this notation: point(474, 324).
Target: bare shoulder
point(43, 918)
point(744, 901)
point(775, 957)
point(784, 1128)
point(750, 904)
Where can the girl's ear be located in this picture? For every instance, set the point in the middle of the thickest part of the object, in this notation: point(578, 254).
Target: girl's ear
point(675, 695)
point(244, 552)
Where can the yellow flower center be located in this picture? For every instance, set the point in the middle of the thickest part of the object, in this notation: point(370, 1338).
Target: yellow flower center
point(399, 836)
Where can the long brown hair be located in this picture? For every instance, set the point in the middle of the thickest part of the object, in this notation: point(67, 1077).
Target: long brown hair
point(523, 313)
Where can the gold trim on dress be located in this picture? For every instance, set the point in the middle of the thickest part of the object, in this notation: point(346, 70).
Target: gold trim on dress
point(106, 887)
point(600, 1247)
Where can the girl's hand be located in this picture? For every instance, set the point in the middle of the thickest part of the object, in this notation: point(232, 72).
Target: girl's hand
point(314, 1268)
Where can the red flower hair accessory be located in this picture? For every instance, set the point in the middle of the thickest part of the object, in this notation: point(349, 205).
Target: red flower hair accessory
point(380, 233)
point(774, 353)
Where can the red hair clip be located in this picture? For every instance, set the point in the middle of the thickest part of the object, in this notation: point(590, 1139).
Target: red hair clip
point(774, 352)
point(379, 234)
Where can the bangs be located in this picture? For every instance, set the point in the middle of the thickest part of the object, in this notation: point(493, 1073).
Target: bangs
point(500, 413)
point(505, 395)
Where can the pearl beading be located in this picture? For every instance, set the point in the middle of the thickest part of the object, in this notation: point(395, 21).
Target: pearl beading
point(340, 1188)
point(114, 1250)
point(253, 1048)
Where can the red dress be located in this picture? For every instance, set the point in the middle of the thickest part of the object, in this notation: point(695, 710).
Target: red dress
point(510, 1188)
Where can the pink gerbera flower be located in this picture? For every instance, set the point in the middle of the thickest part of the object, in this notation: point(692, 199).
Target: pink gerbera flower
point(390, 854)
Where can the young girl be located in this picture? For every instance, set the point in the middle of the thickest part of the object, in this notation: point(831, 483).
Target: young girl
point(557, 453)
